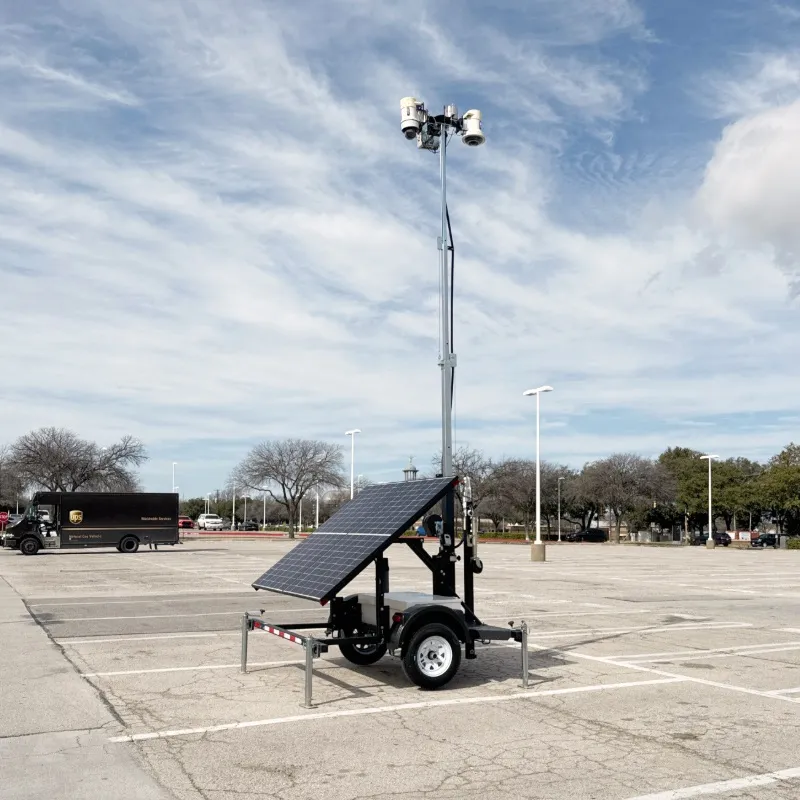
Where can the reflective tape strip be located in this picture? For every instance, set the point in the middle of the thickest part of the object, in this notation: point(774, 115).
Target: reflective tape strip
point(278, 632)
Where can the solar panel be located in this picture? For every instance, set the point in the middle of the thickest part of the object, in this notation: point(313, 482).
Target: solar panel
point(330, 558)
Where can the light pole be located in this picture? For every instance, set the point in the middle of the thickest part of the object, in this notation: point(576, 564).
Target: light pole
point(559, 508)
point(174, 464)
point(264, 514)
point(432, 134)
point(537, 548)
point(208, 503)
point(233, 511)
point(710, 543)
point(352, 435)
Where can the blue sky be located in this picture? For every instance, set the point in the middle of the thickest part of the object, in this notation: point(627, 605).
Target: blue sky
point(213, 231)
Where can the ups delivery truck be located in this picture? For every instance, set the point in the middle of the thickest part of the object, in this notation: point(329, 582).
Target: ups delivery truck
point(61, 520)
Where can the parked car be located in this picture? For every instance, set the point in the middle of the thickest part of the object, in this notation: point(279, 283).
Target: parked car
point(209, 522)
point(764, 540)
point(720, 538)
point(591, 535)
point(185, 522)
point(247, 525)
point(13, 519)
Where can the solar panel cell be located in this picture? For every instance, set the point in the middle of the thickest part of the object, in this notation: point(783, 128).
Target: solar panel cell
point(318, 567)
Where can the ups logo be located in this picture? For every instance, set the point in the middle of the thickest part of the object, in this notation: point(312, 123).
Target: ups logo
point(76, 517)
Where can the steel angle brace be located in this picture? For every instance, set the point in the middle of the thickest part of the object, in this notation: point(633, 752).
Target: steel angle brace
point(313, 647)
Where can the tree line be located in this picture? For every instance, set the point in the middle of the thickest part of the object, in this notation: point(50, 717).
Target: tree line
point(667, 492)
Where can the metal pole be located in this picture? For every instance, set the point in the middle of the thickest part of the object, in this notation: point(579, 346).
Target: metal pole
point(173, 477)
point(316, 518)
point(264, 513)
point(559, 508)
point(309, 671)
point(245, 631)
point(300, 522)
point(710, 541)
point(524, 654)
point(245, 509)
point(352, 463)
point(233, 513)
point(538, 479)
point(447, 360)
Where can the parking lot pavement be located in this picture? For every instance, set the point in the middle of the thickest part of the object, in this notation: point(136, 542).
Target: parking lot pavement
point(655, 674)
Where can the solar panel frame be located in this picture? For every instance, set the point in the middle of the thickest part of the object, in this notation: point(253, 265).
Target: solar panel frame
point(321, 565)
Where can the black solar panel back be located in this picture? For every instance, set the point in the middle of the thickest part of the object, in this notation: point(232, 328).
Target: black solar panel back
point(342, 547)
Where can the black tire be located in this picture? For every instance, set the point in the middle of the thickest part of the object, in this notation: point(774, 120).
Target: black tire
point(362, 654)
point(433, 656)
point(29, 546)
point(130, 544)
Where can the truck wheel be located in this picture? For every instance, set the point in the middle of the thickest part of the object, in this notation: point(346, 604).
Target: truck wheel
point(362, 654)
point(432, 657)
point(29, 546)
point(130, 544)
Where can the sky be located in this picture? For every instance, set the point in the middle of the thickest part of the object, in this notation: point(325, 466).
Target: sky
point(212, 232)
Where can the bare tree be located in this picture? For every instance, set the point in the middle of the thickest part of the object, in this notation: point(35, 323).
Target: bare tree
point(288, 469)
point(12, 487)
point(58, 460)
point(514, 481)
point(625, 482)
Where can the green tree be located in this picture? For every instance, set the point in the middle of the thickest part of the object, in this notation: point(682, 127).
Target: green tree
point(779, 487)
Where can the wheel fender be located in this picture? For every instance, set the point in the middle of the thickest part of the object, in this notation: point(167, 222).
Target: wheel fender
point(418, 616)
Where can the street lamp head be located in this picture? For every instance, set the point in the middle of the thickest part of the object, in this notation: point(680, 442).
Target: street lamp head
point(352, 432)
point(708, 457)
point(538, 390)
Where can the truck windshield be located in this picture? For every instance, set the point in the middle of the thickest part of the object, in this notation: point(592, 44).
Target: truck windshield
point(30, 511)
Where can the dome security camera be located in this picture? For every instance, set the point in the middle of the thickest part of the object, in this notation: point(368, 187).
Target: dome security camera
point(412, 117)
point(472, 128)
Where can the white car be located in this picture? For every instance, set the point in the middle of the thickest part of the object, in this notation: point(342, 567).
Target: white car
point(209, 522)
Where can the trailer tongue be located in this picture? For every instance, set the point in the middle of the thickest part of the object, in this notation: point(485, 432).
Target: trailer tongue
point(426, 631)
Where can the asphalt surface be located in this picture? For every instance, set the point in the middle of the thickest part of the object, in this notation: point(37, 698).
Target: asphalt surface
point(655, 674)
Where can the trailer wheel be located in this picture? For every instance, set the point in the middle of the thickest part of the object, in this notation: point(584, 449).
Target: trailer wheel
point(433, 656)
point(29, 546)
point(130, 544)
point(362, 654)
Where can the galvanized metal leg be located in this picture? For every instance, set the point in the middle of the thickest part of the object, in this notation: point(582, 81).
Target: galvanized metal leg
point(524, 643)
point(245, 632)
point(309, 671)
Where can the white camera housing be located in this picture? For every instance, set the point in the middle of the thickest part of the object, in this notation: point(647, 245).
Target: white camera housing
point(472, 129)
point(412, 117)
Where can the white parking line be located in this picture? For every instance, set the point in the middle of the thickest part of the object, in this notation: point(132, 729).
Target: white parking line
point(640, 629)
point(187, 669)
point(357, 712)
point(785, 691)
point(566, 654)
point(173, 616)
point(548, 614)
point(67, 642)
point(740, 653)
point(721, 787)
point(738, 648)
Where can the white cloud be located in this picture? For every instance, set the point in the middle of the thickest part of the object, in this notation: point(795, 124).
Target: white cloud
point(759, 82)
point(248, 248)
point(751, 189)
